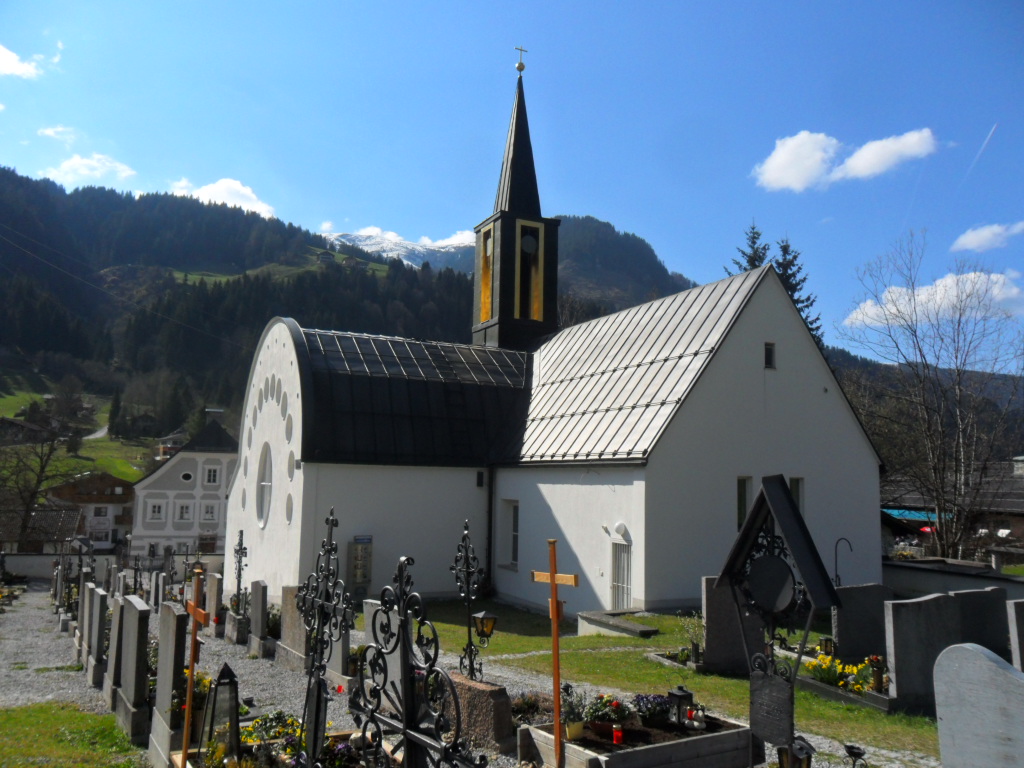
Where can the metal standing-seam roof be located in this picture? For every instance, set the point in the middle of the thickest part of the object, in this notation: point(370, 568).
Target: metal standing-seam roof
point(388, 400)
point(606, 389)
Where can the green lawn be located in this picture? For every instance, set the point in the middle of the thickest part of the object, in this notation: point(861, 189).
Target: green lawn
point(1013, 570)
point(60, 735)
point(620, 663)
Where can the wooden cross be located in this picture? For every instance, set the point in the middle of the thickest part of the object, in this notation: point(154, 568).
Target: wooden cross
point(200, 617)
point(554, 578)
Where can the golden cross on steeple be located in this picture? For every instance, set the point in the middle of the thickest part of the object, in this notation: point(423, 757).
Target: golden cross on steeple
point(520, 65)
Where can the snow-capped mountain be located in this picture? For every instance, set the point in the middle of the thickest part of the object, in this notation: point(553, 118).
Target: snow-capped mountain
point(457, 255)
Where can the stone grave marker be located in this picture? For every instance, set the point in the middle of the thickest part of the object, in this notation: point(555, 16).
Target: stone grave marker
point(916, 632)
point(161, 587)
point(858, 623)
point(259, 642)
point(165, 733)
point(723, 642)
point(132, 702)
point(115, 650)
point(983, 619)
point(154, 591)
point(110, 578)
point(123, 584)
point(981, 722)
point(96, 663)
point(1015, 617)
point(214, 592)
point(291, 652)
point(84, 621)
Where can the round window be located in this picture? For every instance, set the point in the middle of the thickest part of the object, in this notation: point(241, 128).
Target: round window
point(186, 476)
point(264, 485)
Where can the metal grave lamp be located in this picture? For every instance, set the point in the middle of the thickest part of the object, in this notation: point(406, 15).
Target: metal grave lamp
point(484, 623)
point(219, 739)
point(680, 701)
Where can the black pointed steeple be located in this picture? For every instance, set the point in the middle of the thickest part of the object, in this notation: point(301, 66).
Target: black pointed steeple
point(517, 188)
point(515, 295)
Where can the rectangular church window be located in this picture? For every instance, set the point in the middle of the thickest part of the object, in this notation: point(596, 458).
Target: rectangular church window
point(769, 355)
point(530, 272)
point(486, 274)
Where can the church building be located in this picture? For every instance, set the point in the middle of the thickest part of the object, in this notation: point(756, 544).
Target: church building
point(637, 440)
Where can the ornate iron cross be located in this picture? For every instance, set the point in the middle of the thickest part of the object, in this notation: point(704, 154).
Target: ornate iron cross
point(422, 705)
point(326, 610)
point(468, 573)
point(241, 551)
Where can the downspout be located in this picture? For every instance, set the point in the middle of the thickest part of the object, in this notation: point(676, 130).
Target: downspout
point(490, 526)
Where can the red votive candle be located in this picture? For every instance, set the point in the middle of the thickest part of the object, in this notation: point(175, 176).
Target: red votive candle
point(616, 734)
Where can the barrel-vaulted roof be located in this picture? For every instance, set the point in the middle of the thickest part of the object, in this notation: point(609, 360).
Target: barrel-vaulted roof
point(600, 391)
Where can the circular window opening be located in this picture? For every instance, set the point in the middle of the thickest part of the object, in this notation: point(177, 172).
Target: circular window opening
point(288, 509)
point(264, 485)
point(186, 476)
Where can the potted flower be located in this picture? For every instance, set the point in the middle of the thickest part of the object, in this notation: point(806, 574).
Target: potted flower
point(653, 708)
point(605, 711)
point(573, 711)
point(877, 672)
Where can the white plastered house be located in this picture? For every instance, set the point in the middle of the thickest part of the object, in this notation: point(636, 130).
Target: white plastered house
point(636, 440)
point(182, 503)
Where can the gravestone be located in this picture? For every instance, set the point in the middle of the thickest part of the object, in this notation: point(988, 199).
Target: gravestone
point(95, 664)
point(165, 733)
point(214, 595)
point(723, 643)
point(983, 619)
point(291, 648)
point(123, 584)
point(132, 703)
point(1015, 618)
point(858, 622)
point(58, 588)
point(84, 620)
point(236, 628)
point(259, 643)
point(981, 724)
point(155, 597)
point(916, 632)
point(161, 588)
point(110, 579)
point(115, 650)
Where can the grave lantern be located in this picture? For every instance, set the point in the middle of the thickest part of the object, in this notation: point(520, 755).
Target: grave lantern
point(484, 623)
point(219, 737)
point(680, 702)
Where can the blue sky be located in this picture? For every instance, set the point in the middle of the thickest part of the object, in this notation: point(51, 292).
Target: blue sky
point(842, 125)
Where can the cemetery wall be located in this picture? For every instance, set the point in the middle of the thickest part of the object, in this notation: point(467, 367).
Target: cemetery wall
point(580, 507)
point(919, 579)
point(742, 420)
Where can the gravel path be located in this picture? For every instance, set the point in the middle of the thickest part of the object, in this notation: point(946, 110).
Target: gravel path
point(37, 665)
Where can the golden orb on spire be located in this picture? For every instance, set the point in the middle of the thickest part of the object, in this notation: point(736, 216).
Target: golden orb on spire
point(520, 65)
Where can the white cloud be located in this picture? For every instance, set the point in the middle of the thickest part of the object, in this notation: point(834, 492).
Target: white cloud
point(77, 169)
point(808, 159)
point(462, 237)
point(877, 157)
point(11, 64)
point(59, 132)
point(378, 232)
point(56, 57)
point(941, 297)
point(228, 191)
point(2, 107)
point(986, 238)
point(797, 162)
point(327, 227)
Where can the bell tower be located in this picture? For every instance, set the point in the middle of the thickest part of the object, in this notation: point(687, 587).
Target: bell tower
point(515, 294)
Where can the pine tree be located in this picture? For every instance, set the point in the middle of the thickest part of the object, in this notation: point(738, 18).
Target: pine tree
point(755, 255)
point(793, 279)
point(113, 425)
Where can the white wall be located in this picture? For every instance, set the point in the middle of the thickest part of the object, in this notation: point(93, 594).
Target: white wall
point(743, 420)
point(570, 504)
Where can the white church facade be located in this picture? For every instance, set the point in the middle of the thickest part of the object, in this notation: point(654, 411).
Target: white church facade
point(636, 440)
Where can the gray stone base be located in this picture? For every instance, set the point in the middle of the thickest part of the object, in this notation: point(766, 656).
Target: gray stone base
point(63, 622)
point(290, 659)
point(94, 671)
point(263, 647)
point(486, 713)
point(236, 629)
point(110, 692)
point(162, 742)
point(134, 721)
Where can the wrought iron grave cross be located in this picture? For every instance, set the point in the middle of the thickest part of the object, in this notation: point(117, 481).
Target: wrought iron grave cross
point(241, 551)
point(554, 578)
point(467, 572)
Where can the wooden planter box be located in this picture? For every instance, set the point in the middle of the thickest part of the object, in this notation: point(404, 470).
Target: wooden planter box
point(729, 748)
point(868, 699)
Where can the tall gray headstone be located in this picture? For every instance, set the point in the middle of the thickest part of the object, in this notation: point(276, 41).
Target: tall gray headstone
point(111, 578)
point(981, 722)
point(723, 632)
point(115, 650)
point(858, 623)
point(983, 619)
point(214, 595)
point(1015, 618)
point(916, 632)
point(258, 609)
point(155, 596)
point(161, 588)
point(123, 584)
point(165, 733)
point(132, 704)
point(84, 621)
point(291, 649)
point(96, 664)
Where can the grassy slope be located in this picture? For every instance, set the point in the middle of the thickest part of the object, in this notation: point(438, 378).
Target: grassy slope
point(60, 735)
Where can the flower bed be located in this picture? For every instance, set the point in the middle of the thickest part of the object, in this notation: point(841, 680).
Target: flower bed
point(725, 744)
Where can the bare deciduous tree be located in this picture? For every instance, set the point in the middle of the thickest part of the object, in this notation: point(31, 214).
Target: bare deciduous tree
point(956, 352)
